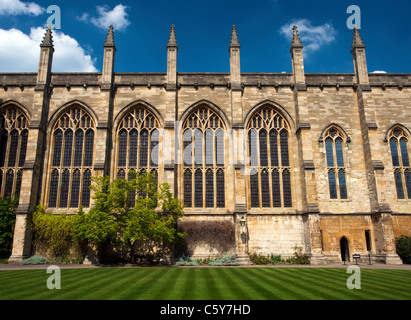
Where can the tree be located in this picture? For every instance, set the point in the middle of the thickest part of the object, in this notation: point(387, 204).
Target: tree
point(134, 213)
point(7, 221)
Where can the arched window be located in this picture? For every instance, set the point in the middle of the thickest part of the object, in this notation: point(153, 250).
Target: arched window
point(401, 162)
point(137, 145)
point(334, 148)
point(71, 159)
point(203, 160)
point(268, 151)
point(13, 146)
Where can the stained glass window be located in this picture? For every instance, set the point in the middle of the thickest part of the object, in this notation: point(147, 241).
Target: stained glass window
point(268, 151)
point(203, 159)
point(13, 148)
point(72, 160)
point(334, 148)
point(400, 162)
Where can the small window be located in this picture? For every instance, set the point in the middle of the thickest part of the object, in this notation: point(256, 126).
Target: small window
point(334, 149)
point(398, 140)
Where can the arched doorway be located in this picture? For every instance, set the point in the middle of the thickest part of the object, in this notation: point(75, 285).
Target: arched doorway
point(345, 251)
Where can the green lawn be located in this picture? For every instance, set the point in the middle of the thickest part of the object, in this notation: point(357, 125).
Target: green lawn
point(206, 284)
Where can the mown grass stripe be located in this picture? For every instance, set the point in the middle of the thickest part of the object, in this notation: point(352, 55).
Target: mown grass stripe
point(160, 288)
point(260, 290)
point(115, 281)
point(288, 280)
point(79, 284)
point(169, 288)
point(230, 286)
point(321, 289)
point(206, 283)
point(33, 279)
point(141, 284)
point(213, 288)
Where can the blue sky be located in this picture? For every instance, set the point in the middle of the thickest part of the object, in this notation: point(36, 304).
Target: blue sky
point(203, 31)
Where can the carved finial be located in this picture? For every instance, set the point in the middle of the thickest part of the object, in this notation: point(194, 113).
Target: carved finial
point(172, 41)
point(110, 38)
point(234, 38)
point(357, 41)
point(48, 38)
point(296, 42)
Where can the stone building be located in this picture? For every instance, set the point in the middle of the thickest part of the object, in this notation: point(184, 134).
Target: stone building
point(317, 161)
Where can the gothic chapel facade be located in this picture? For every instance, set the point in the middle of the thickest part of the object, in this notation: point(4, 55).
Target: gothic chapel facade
point(318, 161)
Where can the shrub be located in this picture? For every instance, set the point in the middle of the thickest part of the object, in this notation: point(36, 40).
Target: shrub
point(259, 259)
point(7, 221)
point(35, 260)
point(275, 259)
point(224, 261)
point(403, 244)
point(186, 261)
point(299, 257)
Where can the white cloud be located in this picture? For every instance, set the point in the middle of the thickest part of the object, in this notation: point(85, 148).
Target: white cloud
point(312, 37)
point(20, 52)
point(17, 7)
point(377, 71)
point(118, 17)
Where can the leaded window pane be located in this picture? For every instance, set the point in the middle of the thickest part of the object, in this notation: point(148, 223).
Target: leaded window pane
point(263, 149)
point(342, 184)
point(220, 189)
point(78, 149)
point(188, 148)
point(265, 190)
point(198, 148)
point(155, 140)
point(122, 149)
point(144, 149)
point(394, 153)
point(133, 148)
point(407, 175)
point(14, 142)
point(58, 141)
point(8, 188)
point(68, 146)
point(85, 198)
point(404, 153)
point(339, 153)
point(23, 147)
point(198, 185)
point(287, 189)
point(330, 153)
point(188, 188)
point(273, 148)
point(284, 149)
point(209, 148)
point(209, 189)
point(332, 184)
point(75, 189)
point(255, 202)
point(88, 156)
point(54, 184)
point(276, 189)
point(3, 147)
point(64, 188)
point(398, 184)
point(220, 147)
